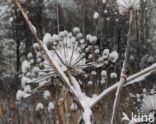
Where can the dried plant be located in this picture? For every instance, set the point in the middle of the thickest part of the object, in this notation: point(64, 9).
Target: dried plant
point(72, 59)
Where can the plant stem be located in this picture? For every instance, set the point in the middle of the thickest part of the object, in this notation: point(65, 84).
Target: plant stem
point(124, 69)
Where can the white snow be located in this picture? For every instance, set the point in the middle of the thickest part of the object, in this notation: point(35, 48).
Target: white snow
point(93, 39)
point(36, 46)
point(93, 73)
point(73, 107)
point(105, 53)
point(76, 30)
point(55, 37)
point(39, 107)
point(88, 36)
point(11, 19)
point(113, 75)
point(104, 73)
point(47, 94)
point(25, 81)
point(125, 5)
point(62, 34)
point(27, 89)
point(30, 56)
point(96, 15)
point(90, 83)
point(46, 39)
point(36, 69)
point(21, 95)
point(25, 66)
point(103, 80)
point(39, 54)
point(31, 61)
point(86, 115)
point(148, 103)
point(51, 106)
point(97, 51)
point(104, 1)
point(113, 56)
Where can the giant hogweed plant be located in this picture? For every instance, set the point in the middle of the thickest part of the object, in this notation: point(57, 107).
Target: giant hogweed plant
point(75, 61)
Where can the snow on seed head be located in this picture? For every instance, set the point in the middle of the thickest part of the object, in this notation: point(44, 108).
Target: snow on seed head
point(103, 80)
point(90, 83)
point(113, 75)
point(126, 5)
point(61, 34)
point(25, 81)
point(28, 74)
point(30, 56)
point(47, 94)
point(31, 61)
point(76, 30)
point(93, 73)
point(20, 95)
point(25, 66)
point(39, 107)
point(65, 33)
point(96, 15)
point(73, 107)
point(138, 95)
point(36, 69)
point(82, 41)
point(79, 36)
point(144, 90)
point(105, 53)
point(88, 36)
point(56, 37)
point(97, 51)
point(46, 39)
point(69, 35)
point(152, 91)
point(39, 60)
point(65, 55)
point(27, 89)
point(36, 46)
point(93, 39)
point(51, 106)
point(107, 19)
point(148, 104)
point(104, 1)
point(105, 11)
point(90, 56)
point(104, 73)
point(113, 56)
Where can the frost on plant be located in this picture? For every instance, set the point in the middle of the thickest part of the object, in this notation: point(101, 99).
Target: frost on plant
point(72, 51)
point(126, 5)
